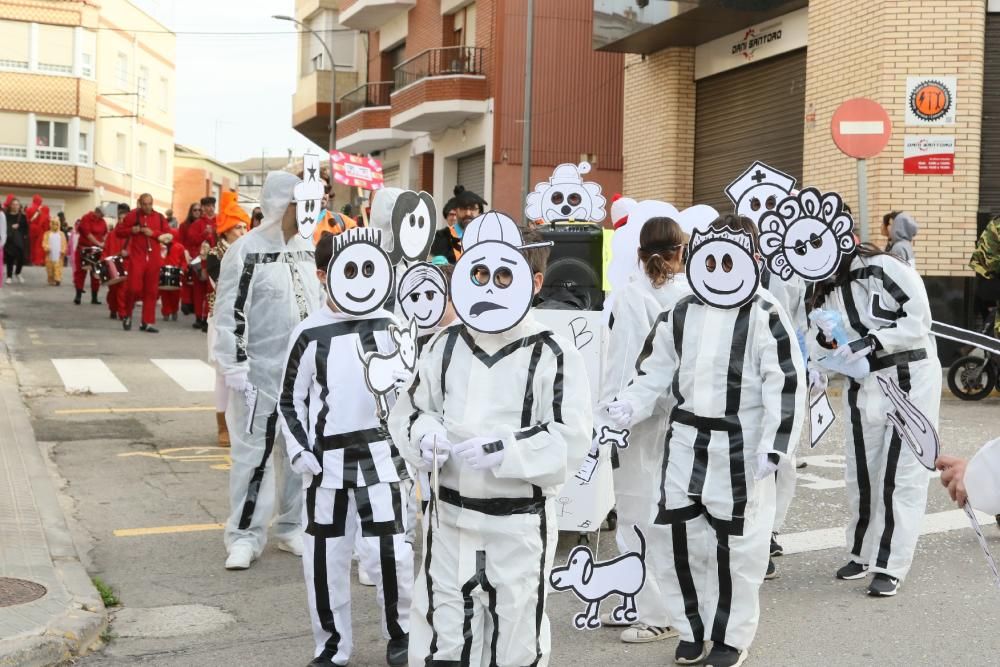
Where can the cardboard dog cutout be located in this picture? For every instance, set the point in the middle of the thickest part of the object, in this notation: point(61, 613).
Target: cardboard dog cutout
point(382, 371)
point(566, 196)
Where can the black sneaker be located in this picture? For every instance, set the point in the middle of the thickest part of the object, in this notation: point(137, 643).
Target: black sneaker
point(396, 651)
point(772, 571)
point(113, 316)
point(883, 585)
point(776, 549)
point(690, 653)
point(79, 294)
point(197, 324)
point(127, 323)
point(852, 571)
point(723, 655)
point(321, 661)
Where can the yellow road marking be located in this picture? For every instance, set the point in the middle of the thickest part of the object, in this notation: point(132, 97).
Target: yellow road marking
point(168, 530)
point(115, 411)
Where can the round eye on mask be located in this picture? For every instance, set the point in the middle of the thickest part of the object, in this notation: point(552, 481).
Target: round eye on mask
point(480, 275)
point(413, 220)
point(574, 199)
point(727, 263)
point(754, 204)
point(350, 270)
point(710, 263)
point(368, 269)
point(771, 203)
point(557, 197)
point(420, 222)
point(503, 277)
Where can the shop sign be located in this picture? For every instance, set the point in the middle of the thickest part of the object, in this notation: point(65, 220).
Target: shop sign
point(934, 154)
point(930, 100)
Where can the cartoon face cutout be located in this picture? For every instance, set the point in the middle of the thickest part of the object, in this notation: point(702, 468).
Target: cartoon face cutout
point(414, 221)
point(492, 284)
point(423, 295)
point(359, 278)
point(758, 190)
point(308, 196)
point(721, 269)
point(566, 196)
point(807, 235)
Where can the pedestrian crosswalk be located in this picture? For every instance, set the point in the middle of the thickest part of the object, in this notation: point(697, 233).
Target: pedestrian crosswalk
point(94, 376)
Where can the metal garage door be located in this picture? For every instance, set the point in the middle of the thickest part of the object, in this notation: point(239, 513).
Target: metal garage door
point(755, 112)
point(472, 172)
point(989, 166)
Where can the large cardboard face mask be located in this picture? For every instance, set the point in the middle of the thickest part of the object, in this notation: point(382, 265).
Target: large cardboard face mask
point(414, 221)
point(721, 269)
point(423, 295)
point(566, 196)
point(807, 235)
point(758, 190)
point(359, 278)
point(308, 196)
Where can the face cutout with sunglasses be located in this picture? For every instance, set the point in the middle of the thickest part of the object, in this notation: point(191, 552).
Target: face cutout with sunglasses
point(308, 196)
point(807, 235)
point(423, 295)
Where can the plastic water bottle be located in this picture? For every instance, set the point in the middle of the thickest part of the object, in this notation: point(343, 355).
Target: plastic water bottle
point(839, 332)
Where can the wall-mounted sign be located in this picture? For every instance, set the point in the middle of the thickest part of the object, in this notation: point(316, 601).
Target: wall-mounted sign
point(930, 100)
point(934, 154)
point(356, 170)
point(752, 44)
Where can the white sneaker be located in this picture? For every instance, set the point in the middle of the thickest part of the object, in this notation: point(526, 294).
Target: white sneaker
point(292, 545)
point(240, 557)
point(640, 633)
point(20, 278)
point(363, 577)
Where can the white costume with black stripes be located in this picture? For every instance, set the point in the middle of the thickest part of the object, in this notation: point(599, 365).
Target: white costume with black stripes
point(266, 287)
point(636, 469)
point(886, 485)
point(326, 408)
point(740, 392)
point(490, 538)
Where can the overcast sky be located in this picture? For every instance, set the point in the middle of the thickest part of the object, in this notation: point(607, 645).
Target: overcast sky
point(234, 92)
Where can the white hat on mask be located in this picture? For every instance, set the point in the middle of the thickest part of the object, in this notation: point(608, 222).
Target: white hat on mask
point(758, 174)
point(495, 226)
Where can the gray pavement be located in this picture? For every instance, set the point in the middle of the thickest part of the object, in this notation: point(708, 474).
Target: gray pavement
point(144, 461)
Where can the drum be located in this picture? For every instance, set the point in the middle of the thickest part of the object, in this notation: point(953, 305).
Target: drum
point(170, 278)
point(113, 270)
point(90, 257)
point(194, 269)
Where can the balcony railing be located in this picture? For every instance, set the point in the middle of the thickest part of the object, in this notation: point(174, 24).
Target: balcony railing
point(443, 61)
point(53, 154)
point(375, 94)
point(19, 152)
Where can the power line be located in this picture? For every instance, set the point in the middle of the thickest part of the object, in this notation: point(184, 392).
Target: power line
point(220, 32)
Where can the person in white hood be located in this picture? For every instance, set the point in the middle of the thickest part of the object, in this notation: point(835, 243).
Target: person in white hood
point(267, 285)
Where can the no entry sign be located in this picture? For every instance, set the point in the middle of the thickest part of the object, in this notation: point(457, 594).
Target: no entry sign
point(861, 128)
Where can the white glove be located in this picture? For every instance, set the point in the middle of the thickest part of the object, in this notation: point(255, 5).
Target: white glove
point(846, 356)
point(765, 466)
point(401, 378)
point(427, 445)
point(237, 380)
point(621, 413)
point(480, 453)
point(306, 462)
point(818, 382)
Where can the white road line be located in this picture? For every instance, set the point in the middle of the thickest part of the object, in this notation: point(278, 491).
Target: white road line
point(81, 376)
point(834, 538)
point(190, 374)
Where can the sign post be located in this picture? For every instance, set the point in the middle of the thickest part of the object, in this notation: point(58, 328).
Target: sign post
point(861, 129)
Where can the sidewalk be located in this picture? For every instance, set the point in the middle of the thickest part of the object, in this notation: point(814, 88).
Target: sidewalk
point(36, 548)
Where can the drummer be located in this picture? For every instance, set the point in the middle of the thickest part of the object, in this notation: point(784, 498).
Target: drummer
point(114, 246)
point(173, 260)
point(93, 231)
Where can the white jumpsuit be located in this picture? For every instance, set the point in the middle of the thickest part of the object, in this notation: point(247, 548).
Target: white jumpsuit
point(740, 392)
point(490, 538)
point(886, 484)
point(266, 287)
point(636, 470)
point(326, 408)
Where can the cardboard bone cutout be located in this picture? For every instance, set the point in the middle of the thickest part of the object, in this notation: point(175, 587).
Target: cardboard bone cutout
point(308, 196)
point(721, 269)
point(359, 277)
point(592, 582)
point(808, 235)
point(423, 295)
point(759, 189)
point(566, 196)
point(492, 285)
point(414, 221)
point(382, 370)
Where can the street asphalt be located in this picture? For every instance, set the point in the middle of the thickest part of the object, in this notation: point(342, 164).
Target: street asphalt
point(138, 462)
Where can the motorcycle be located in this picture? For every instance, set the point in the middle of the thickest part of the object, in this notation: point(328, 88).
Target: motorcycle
point(974, 376)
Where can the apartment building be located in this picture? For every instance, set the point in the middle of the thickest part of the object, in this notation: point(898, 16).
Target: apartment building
point(438, 90)
point(198, 175)
point(86, 107)
point(713, 86)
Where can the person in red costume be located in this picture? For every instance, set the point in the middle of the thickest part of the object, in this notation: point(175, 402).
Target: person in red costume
point(195, 234)
point(116, 246)
point(93, 231)
point(143, 230)
point(173, 255)
point(38, 216)
point(187, 305)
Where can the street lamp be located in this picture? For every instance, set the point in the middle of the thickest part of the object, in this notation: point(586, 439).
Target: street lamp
point(333, 76)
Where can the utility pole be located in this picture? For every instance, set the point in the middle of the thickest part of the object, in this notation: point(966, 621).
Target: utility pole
point(529, 39)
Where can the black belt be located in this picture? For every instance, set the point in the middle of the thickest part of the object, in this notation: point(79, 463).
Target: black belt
point(344, 440)
point(493, 506)
point(727, 424)
point(896, 359)
point(732, 526)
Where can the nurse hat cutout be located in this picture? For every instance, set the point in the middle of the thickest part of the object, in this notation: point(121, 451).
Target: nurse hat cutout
point(759, 189)
point(308, 196)
point(566, 196)
point(359, 277)
point(807, 235)
point(492, 285)
point(721, 269)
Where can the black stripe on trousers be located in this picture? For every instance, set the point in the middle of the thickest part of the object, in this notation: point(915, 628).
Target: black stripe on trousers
point(479, 579)
point(682, 566)
point(861, 469)
point(725, 588)
point(322, 593)
point(253, 486)
point(540, 603)
point(338, 519)
point(429, 660)
point(384, 530)
point(892, 461)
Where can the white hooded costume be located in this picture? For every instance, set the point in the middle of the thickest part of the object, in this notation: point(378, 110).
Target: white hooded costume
point(266, 287)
